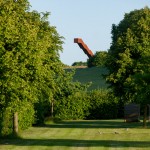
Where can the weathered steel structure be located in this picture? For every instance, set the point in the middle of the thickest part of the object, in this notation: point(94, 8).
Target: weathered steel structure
point(84, 47)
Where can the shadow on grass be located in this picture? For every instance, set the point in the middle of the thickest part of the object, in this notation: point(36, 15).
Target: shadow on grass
point(76, 143)
point(94, 124)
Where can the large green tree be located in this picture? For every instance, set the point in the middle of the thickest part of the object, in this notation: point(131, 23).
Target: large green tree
point(29, 62)
point(129, 56)
point(98, 59)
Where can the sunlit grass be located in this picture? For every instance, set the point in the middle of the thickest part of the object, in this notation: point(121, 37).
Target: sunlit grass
point(85, 135)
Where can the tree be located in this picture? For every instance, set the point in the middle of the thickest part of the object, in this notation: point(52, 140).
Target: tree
point(70, 101)
point(80, 63)
point(129, 55)
point(142, 84)
point(98, 59)
point(29, 62)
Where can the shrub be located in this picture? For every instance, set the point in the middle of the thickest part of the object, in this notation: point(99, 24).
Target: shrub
point(6, 122)
point(25, 117)
point(42, 110)
point(74, 107)
point(97, 104)
point(103, 105)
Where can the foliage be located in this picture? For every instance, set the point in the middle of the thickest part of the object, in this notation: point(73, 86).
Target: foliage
point(42, 110)
point(96, 104)
point(74, 107)
point(65, 88)
point(98, 59)
point(103, 105)
point(129, 55)
point(69, 101)
point(25, 116)
point(143, 89)
point(29, 60)
point(80, 63)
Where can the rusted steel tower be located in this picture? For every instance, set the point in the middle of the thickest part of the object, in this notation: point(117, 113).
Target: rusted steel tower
point(84, 47)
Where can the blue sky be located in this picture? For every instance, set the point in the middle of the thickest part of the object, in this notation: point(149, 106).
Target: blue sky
point(90, 20)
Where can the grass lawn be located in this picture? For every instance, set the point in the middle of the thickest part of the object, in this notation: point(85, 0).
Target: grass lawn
point(82, 135)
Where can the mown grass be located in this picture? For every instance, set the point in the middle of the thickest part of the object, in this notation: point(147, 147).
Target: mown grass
point(94, 75)
point(82, 135)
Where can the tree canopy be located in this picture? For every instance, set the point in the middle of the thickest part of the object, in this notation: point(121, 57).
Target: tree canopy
point(29, 59)
point(129, 55)
point(98, 59)
point(80, 63)
point(129, 52)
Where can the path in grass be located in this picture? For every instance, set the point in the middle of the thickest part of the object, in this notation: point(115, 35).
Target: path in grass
point(82, 135)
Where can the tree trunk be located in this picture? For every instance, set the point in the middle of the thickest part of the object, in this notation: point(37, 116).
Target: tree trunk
point(15, 123)
point(52, 108)
point(148, 112)
point(145, 116)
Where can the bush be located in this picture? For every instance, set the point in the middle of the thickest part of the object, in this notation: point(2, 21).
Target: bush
point(103, 105)
point(6, 124)
point(42, 110)
point(25, 117)
point(97, 104)
point(74, 107)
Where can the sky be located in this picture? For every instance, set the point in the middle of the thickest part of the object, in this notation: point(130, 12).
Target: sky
point(90, 20)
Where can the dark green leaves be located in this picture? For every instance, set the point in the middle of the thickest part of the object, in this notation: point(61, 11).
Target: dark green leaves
point(129, 54)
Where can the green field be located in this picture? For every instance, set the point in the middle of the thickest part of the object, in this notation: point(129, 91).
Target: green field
point(82, 135)
point(94, 75)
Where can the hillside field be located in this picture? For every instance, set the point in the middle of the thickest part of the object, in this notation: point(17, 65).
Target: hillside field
point(94, 75)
